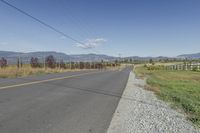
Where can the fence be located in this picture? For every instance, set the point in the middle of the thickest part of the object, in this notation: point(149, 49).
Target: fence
point(185, 67)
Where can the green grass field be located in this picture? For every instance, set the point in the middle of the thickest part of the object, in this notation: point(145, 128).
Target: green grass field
point(180, 88)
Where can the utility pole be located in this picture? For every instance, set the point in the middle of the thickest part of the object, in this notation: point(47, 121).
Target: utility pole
point(59, 62)
point(90, 62)
point(119, 56)
point(18, 63)
point(21, 63)
point(70, 63)
point(44, 62)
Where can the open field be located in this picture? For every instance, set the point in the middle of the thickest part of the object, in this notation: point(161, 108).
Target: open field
point(180, 88)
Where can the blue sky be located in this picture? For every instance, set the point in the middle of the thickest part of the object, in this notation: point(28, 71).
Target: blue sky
point(129, 27)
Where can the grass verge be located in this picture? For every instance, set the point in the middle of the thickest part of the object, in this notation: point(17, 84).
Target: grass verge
point(180, 88)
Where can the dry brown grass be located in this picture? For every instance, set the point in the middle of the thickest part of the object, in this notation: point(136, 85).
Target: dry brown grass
point(13, 71)
point(152, 88)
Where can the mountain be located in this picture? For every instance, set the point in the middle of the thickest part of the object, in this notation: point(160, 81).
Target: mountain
point(146, 59)
point(189, 56)
point(13, 56)
point(92, 57)
point(8, 53)
point(25, 57)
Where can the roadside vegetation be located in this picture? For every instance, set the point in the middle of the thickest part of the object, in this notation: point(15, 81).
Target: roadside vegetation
point(49, 65)
point(179, 88)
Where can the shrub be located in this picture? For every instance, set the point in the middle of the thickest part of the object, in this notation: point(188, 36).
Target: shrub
point(195, 68)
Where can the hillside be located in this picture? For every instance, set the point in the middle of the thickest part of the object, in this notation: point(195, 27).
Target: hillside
point(190, 56)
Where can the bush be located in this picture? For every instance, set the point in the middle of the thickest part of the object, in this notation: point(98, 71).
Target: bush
point(195, 68)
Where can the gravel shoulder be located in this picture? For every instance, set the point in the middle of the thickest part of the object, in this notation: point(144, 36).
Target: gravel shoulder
point(139, 111)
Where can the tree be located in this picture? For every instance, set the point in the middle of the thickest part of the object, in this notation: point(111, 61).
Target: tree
point(50, 61)
point(34, 62)
point(18, 63)
point(62, 64)
point(21, 64)
point(151, 61)
point(87, 65)
point(3, 62)
point(81, 65)
point(72, 65)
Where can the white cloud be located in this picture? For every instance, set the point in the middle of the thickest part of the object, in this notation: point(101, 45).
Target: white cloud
point(91, 43)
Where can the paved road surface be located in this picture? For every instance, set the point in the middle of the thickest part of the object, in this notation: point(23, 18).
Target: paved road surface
point(74, 104)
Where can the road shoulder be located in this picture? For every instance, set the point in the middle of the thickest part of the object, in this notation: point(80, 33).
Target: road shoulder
point(139, 111)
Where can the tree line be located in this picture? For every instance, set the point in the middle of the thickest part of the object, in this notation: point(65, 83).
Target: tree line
point(50, 62)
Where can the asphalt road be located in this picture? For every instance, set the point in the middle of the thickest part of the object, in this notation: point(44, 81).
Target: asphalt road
point(73, 102)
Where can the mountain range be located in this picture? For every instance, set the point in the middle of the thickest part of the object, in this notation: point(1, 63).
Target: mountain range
point(25, 57)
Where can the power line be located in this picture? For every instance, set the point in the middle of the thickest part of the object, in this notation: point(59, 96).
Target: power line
point(41, 22)
point(81, 34)
point(76, 20)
